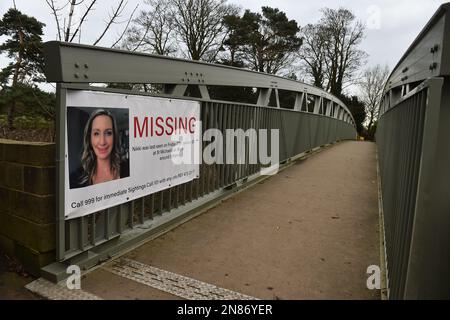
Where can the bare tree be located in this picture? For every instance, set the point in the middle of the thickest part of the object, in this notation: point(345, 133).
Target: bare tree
point(83, 18)
point(343, 35)
point(313, 54)
point(200, 26)
point(69, 23)
point(153, 30)
point(372, 85)
point(56, 14)
point(330, 53)
point(125, 30)
point(116, 13)
point(66, 33)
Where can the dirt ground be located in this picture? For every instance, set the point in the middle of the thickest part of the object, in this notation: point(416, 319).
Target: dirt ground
point(309, 232)
point(13, 280)
point(32, 135)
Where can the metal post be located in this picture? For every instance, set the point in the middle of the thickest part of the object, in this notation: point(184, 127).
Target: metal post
point(60, 159)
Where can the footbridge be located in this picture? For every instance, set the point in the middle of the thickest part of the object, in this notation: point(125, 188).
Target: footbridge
point(329, 217)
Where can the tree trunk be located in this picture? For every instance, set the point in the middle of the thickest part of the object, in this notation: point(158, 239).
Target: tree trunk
point(12, 108)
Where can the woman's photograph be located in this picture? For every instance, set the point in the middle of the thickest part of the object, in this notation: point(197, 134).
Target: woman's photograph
point(102, 158)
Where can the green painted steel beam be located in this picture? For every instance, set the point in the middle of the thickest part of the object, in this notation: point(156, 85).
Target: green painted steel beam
point(76, 63)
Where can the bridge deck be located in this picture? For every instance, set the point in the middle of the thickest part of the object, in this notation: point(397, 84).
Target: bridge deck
point(309, 232)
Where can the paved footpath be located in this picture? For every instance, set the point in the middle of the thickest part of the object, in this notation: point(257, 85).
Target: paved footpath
point(309, 232)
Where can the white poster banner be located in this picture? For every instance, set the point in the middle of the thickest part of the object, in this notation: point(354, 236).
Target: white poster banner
point(122, 147)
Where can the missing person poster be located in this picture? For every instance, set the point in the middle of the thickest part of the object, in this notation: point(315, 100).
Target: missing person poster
point(122, 147)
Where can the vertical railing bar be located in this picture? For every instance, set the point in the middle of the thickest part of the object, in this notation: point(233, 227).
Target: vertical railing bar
point(81, 233)
point(247, 148)
point(238, 125)
point(261, 121)
point(152, 205)
point(224, 154)
point(226, 171)
point(196, 182)
point(70, 245)
point(283, 128)
point(131, 214)
point(142, 210)
point(234, 151)
point(209, 167)
point(220, 128)
point(269, 129)
point(197, 186)
point(254, 114)
point(161, 203)
point(242, 125)
point(106, 213)
point(257, 121)
point(93, 229)
point(191, 190)
point(216, 165)
point(266, 126)
point(267, 121)
point(169, 199)
point(119, 219)
point(227, 126)
point(241, 156)
point(181, 194)
point(177, 195)
point(200, 177)
point(60, 172)
point(186, 191)
point(203, 166)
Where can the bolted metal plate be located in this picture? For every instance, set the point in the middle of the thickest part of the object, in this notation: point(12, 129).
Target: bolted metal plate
point(172, 283)
point(54, 291)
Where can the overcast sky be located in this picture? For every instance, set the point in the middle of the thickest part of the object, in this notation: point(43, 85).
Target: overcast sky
point(391, 24)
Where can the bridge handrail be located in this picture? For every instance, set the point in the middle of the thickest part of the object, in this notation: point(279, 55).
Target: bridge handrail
point(428, 56)
point(77, 63)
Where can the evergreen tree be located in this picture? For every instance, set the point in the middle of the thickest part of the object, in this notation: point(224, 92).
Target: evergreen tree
point(264, 43)
point(24, 45)
point(357, 109)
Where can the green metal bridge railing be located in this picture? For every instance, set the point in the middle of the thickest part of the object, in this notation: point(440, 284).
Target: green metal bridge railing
point(414, 162)
point(307, 118)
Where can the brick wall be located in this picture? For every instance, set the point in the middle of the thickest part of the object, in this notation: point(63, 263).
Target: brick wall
point(27, 202)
